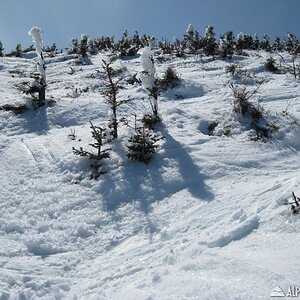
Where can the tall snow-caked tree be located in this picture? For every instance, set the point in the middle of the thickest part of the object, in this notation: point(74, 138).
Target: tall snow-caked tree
point(40, 82)
point(148, 79)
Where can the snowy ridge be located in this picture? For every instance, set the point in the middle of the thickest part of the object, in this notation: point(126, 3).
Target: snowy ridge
point(204, 220)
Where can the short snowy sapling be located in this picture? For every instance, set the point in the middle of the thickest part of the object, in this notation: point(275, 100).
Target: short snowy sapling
point(18, 51)
point(292, 67)
point(110, 92)
point(251, 114)
point(40, 81)
point(148, 80)
point(170, 79)
point(294, 205)
point(98, 134)
point(143, 143)
point(270, 64)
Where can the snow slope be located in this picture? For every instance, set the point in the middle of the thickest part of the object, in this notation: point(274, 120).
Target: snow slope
point(204, 220)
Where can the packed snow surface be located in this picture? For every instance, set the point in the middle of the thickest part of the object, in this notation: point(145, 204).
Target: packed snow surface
point(203, 220)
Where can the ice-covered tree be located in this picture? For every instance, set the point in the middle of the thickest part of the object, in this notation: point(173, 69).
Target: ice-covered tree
point(256, 42)
point(278, 45)
point(83, 47)
point(40, 82)
point(189, 37)
point(210, 44)
point(240, 42)
point(91, 47)
point(148, 79)
point(1, 49)
point(18, 52)
point(74, 49)
point(292, 44)
point(227, 46)
point(265, 43)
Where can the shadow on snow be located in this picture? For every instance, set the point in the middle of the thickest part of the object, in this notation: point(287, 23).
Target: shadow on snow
point(169, 172)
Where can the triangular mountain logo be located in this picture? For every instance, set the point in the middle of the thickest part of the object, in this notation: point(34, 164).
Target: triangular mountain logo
point(277, 292)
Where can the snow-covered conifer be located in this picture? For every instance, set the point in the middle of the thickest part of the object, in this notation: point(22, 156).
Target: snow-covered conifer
point(91, 47)
point(240, 42)
point(227, 45)
point(74, 49)
point(36, 34)
point(18, 52)
point(148, 78)
point(265, 43)
point(1, 49)
point(83, 47)
point(291, 43)
point(210, 44)
point(142, 144)
point(189, 33)
point(110, 92)
point(278, 45)
point(256, 42)
point(189, 37)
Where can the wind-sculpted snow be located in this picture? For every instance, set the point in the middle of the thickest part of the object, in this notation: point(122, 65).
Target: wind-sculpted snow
point(203, 220)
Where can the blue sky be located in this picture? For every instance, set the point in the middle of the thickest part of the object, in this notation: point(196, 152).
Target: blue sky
point(60, 20)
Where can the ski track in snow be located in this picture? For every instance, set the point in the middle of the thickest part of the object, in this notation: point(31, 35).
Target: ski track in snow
point(204, 220)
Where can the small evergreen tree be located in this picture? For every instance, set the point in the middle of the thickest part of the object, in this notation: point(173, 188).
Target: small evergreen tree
point(52, 50)
point(256, 42)
point(271, 65)
point(227, 46)
point(40, 81)
point(292, 44)
point(189, 38)
point(74, 49)
point(265, 43)
point(210, 43)
point(248, 42)
point(110, 92)
point(91, 47)
point(18, 51)
point(1, 49)
point(142, 144)
point(278, 45)
point(98, 134)
point(240, 43)
point(83, 46)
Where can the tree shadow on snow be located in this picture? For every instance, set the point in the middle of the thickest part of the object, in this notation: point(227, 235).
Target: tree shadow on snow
point(36, 120)
point(171, 171)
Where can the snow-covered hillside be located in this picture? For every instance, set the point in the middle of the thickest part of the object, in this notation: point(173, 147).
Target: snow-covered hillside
point(203, 220)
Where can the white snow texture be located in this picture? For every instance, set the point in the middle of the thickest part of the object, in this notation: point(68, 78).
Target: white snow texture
point(203, 220)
